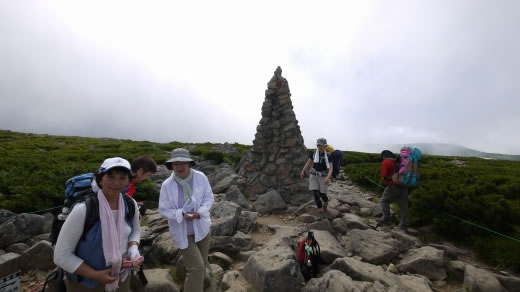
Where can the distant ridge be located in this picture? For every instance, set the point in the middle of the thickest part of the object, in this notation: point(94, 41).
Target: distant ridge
point(444, 150)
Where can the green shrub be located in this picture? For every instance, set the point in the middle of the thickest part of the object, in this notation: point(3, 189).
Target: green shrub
point(217, 157)
point(499, 251)
point(34, 168)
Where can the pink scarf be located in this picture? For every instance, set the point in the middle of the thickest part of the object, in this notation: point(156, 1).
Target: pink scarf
point(112, 235)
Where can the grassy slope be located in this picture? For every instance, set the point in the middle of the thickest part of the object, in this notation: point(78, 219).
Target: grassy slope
point(34, 167)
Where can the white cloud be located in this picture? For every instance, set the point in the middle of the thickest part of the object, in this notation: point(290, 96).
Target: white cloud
point(359, 72)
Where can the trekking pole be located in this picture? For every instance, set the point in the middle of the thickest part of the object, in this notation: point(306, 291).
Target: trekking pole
point(141, 276)
point(51, 276)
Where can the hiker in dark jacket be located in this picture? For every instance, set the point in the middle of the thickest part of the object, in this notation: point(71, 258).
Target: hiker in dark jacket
point(393, 192)
point(320, 174)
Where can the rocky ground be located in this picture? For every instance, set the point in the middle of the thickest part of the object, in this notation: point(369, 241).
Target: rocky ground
point(255, 251)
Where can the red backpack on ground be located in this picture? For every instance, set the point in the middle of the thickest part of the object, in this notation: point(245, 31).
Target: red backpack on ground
point(308, 255)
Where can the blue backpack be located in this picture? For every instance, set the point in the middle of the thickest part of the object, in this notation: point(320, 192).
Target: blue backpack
point(407, 173)
point(78, 189)
point(78, 183)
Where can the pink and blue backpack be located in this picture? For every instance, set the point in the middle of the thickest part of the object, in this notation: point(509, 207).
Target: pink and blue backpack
point(407, 172)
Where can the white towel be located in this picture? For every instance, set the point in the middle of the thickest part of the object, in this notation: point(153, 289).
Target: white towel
point(317, 158)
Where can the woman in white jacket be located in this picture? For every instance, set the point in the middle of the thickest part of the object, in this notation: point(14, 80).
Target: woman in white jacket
point(185, 200)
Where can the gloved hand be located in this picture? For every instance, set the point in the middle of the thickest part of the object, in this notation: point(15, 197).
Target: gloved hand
point(133, 252)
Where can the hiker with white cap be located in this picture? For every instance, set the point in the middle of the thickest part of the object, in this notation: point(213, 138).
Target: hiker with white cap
point(320, 174)
point(93, 260)
point(185, 200)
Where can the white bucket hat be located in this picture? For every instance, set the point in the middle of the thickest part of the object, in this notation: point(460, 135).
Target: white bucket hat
point(179, 155)
point(110, 163)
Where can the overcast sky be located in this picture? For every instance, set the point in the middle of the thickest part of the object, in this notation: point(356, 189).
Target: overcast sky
point(360, 72)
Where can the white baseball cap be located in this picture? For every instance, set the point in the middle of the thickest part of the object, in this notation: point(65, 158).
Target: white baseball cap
point(110, 163)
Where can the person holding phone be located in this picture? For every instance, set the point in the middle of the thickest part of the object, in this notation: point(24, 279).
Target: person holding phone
point(185, 200)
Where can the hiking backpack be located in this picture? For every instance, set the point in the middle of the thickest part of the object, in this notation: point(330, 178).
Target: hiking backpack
point(78, 189)
point(309, 256)
point(407, 167)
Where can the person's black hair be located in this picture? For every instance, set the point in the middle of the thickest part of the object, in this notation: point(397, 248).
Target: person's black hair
point(387, 154)
point(99, 176)
point(144, 162)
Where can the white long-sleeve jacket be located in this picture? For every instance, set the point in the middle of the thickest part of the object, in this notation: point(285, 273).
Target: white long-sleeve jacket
point(169, 208)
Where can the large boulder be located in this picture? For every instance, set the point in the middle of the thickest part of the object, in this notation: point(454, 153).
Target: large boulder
point(6, 214)
point(322, 225)
point(246, 221)
point(17, 248)
point(361, 271)
point(38, 257)
point(163, 250)
point(20, 228)
point(224, 171)
point(374, 246)
point(269, 202)
point(426, 261)
point(232, 244)
point(416, 283)
point(231, 280)
point(340, 226)
point(478, 280)
point(407, 241)
point(331, 281)
point(225, 183)
point(224, 217)
point(274, 268)
point(234, 194)
point(509, 282)
point(329, 246)
point(354, 222)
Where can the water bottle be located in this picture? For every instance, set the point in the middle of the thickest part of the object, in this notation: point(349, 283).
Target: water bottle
point(309, 263)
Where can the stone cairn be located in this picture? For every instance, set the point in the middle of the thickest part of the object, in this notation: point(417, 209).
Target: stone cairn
point(278, 153)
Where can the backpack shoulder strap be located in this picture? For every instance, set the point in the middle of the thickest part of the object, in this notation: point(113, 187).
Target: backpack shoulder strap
point(92, 213)
point(130, 208)
point(316, 246)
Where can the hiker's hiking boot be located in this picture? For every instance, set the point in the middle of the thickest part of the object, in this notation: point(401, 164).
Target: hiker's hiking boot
point(383, 223)
point(325, 204)
point(403, 228)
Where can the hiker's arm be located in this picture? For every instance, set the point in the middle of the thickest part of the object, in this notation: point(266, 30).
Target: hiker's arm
point(166, 208)
point(135, 234)
point(327, 178)
point(207, 199)
point(102, 276)
point(305, 167)
point(386, 168)
point(70, 234)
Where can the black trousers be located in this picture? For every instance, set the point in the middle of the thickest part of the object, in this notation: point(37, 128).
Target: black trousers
point(318, 197)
